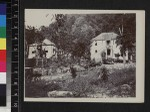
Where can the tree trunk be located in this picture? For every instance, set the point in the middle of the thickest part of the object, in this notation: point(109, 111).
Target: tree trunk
point(124, 59)
point(42, 67)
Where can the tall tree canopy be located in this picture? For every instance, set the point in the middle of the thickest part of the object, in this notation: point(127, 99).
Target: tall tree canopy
point(72, 32)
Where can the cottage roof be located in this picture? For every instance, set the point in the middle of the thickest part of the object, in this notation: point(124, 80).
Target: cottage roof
point(105, 36)
point(47, 42)
point(33, 45)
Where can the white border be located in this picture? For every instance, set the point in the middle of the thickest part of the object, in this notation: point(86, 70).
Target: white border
point(140, 57)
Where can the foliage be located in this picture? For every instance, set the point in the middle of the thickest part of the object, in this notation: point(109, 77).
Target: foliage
point(80, 87)
point(126, 39)
point(119, 80)
point(32, 35)
point(40, 88)
point(100, 76)
point(73, 72)
point(122, 75)
point(108, 61)
point(72, 33)
point(104, 73)
point(93, 63)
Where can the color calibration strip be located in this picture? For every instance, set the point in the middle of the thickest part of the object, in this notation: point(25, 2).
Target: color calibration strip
point(2, 54)
point(15, 87)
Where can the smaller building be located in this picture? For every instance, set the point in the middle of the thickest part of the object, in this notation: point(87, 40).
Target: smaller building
point(47, 47)
point(104, 46)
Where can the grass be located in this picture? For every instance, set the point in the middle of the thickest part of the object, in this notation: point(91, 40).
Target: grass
point(80, 87)
point(89, 82)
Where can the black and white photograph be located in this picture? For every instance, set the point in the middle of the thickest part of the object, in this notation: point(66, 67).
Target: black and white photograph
point(84, 55)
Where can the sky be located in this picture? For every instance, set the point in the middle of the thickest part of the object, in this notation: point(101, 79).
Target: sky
point(38, 18)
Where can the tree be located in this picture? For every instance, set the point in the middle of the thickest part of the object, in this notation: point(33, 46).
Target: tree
point(72, 33)
point(127, 30)
point(82, 32)
point(32, 35)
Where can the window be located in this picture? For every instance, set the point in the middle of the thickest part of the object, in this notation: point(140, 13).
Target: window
point(45, 51)
point(95, 51)
point(108, 42)
point(96, 44)
point(108, 51)
point(33, 52)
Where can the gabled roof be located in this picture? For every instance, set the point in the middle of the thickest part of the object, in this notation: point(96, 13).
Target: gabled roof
point(105, 36)
point(47, 42)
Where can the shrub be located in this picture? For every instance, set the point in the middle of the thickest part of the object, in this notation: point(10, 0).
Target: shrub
point(51, 86)
point(35, 89)
point(30, 74)
point(80, 87)
point(108, 61)
point(118, 61)
point(40, 88)
point(124, 76)
point(73, 72)
point(104, 73)
point(100, 76)
point(93, 63)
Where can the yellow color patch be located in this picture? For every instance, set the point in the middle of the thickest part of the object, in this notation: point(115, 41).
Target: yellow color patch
point(2, 44)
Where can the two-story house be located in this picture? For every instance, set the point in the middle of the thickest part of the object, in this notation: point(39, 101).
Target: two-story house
point(105, 43)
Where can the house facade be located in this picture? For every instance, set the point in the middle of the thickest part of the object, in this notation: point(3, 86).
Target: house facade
point(104, 45)
point(48, 49)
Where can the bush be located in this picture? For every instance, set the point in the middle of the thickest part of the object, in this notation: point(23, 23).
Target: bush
point(35, 89)
point(40, 88)
point(80, 87)
point(104, 73)
point(30, 74)
point(100, 76)
point(118, 61)
point(121, 77)
point(51, 86)
point(73, 72)
point(93, 63)
point(108, 61)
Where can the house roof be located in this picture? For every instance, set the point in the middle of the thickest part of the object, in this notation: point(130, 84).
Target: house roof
point(105, 36)
point(46, 42)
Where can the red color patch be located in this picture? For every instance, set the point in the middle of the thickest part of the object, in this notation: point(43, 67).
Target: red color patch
point(3, 55)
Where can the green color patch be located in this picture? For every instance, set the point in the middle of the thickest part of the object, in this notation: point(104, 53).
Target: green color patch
point(2, 32)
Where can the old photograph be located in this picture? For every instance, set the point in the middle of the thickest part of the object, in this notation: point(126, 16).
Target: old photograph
point(71, 55)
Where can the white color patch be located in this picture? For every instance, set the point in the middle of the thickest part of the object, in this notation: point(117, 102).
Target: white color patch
point(2, 77)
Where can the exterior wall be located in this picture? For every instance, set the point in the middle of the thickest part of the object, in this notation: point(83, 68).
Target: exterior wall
point(31, 54)
point(102, 46)
point(49, 51)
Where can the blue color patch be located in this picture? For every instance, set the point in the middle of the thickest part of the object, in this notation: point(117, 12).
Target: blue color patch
point(2, 9)
point(2, 20)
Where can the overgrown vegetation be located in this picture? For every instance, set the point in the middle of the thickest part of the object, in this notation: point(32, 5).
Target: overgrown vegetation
point(80, 87)
point(114, 81)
